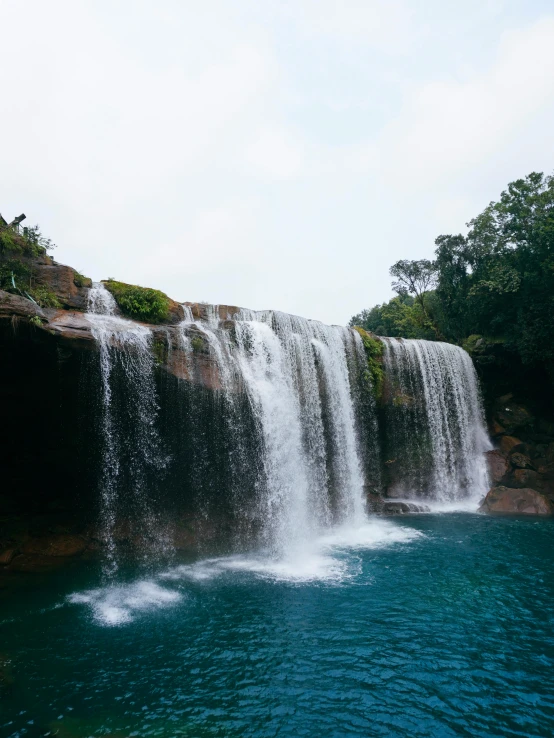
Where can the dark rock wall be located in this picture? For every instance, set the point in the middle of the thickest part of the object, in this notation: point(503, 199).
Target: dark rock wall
point(46, 454)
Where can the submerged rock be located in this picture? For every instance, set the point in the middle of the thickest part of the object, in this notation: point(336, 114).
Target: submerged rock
point(55, 545)
point(523, 501)
point(401, 508)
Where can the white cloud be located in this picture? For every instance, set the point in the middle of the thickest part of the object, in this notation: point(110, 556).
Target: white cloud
point(275, 153)
point(269, 155)
point(448, 127)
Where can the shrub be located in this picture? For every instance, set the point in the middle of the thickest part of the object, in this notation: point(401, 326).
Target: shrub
point(44, 297)
point(21, 275)
point(374, 352)
point(30, 242)
point(197, 343)
point(79, 280)
point(140, 303)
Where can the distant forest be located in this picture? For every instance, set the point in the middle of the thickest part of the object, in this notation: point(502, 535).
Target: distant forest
point(496, 282)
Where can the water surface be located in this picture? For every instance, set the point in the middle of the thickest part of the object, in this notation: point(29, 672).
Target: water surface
point(436, 625)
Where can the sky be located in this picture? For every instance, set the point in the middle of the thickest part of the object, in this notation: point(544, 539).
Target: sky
point(272, 154)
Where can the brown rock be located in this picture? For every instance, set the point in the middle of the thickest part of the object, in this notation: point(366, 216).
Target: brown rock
point(496, 429)
point(498, 466)
point(511, 416)
point(508, 442)
point(523, 501)
point(527, 478)
point(521, 461)
point(61, 280)
point(7, 556)
point(55, 545)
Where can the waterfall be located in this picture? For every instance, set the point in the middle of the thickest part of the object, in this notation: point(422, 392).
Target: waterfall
point(296, 375)
point(132, 452)
point(435, 434)
point(273, 429)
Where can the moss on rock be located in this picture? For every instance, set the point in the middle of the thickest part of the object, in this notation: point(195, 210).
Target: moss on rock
point(140, 303)
point(374, 353)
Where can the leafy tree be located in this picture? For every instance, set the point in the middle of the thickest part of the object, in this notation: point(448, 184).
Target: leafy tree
point(497, 281)
point(416, 278)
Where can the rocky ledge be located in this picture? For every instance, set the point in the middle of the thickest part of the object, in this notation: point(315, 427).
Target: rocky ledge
point(521, 467)
point(521, 501)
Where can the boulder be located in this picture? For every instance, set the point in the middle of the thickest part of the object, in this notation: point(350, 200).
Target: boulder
point(527, 478)
point(498, 465)
point(510, 416)
point(521, 461)
point(507, 443)
point(7, 556)
point(61, 280)
point(524, 501)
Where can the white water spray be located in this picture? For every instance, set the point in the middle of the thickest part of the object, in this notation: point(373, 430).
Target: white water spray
point(437, 427)
point(125, 347)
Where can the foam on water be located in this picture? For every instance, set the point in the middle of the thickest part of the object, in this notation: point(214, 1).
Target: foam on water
point(329, 559)
point(116, 605)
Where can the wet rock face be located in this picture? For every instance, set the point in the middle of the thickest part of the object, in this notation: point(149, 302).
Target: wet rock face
point(401, 508)
point(524, 459)
point(60, 279)
point(524, 501)
point(498, 465)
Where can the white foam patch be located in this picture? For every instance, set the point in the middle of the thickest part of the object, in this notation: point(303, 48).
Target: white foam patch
point(324, 559)
point(470, 504)
point(118, 604)
point(328, 558)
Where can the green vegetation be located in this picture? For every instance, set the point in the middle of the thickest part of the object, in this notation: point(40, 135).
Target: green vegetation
point(497, 281)
point(159, 349)
point(28, 242)
point(197, 343)
point(20, 272)
point(374, 353)
point(140, 303)
point(79, 280)
point(44, 297)
point(36, 321)
point(17, 277)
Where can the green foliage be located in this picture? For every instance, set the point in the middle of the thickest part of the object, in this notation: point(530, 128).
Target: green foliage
point(140, 303)
point(159, 349)
point(374, 353)
point(79, 280)
point(498, 281)
point(21, 275)
point(44, 297)
point(36, 321)
point(29, 242)
point(197, 343)
point(402, 316)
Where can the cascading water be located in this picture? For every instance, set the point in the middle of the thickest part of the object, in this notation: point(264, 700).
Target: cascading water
point(296, 375)
point(132, 452)
point(435, 434)
point(288, 440)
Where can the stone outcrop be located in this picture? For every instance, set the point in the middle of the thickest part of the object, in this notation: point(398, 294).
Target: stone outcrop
point(521, 468)
point(524, 501)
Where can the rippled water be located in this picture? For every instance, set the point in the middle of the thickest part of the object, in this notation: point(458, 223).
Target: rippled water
point(437, 625)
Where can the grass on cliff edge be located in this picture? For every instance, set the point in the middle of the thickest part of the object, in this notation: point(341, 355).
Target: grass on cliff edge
point(374, 352)
point(140, 303)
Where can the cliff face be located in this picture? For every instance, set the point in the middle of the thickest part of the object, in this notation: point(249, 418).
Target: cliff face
point(519, 403)
point(51, 441)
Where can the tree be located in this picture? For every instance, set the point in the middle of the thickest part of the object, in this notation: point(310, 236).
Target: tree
point(416, 278)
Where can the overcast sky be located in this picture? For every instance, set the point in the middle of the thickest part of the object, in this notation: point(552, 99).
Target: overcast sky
point(263, 153)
